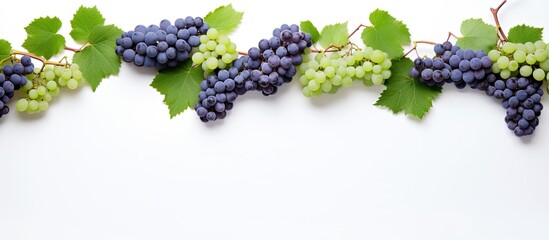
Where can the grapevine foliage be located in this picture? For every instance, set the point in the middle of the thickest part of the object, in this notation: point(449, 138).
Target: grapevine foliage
point(325, 60)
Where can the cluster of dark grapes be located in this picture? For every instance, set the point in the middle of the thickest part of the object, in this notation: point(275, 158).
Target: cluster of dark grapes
point(13, 78)
point(452, 64)
point(266, 68)
point(521, 98)
point(161, 46)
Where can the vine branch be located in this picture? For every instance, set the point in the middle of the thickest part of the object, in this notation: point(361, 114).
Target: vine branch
point(41, 59)
point(356, 30)
point(415, 47)
point(496, 19)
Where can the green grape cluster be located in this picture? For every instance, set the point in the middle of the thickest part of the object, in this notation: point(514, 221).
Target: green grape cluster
point(45, 85)
point(524, 59)
point(327, 72)
point(215, 51)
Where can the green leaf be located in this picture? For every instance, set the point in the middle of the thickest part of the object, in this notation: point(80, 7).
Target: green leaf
point(335, 34)
point(387, 34)
point(477, 35)
point(180, 87)
point(406, 94)
point(308, 27)
point(524, 34)
point(98, 60)
point(42, 38)
point(225, 19)
point(5, 50)
point(84, 20)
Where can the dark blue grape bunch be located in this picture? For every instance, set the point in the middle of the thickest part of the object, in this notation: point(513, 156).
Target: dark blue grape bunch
point(265, 68)
point(521, 98)
point(452, 64)
point(12, 78)
point(274, 61)
point(161, 46)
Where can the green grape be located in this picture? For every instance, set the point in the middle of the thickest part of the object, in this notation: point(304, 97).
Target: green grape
point(303, 80)
point(525, 71)
point(198, 58)
point(495, 68)
point(494, 55)
point(377, 69)
point(320, 77)
point(508, 47)
point(220, 49)
point(325, 62)
point(519, 56)
point(368, 66)
point(22, 105)
point(212, 63)
point(540, 44)
point(33, 94)
point(544, 65)
point(72, 84)
point(358, 55)
point(539, 74)
point(505, 74)
point(347, 81)
point(67, 74)
point(540, 55)
point(313, 85)
point(359, 72)
point(513, 65)
point(503, 62)
point(386, 74)
point(306, 91)
point(310, 74)
point(49, 75)
point(377, 79)
point(531, 59)
point(386, 64)
point(326, 86)
point(337, 80)
point(350, 71)
point(33, 105)
point(330, 71)
point(212, 33)
point(378, 56)
point(43, 105)
point(530, 47)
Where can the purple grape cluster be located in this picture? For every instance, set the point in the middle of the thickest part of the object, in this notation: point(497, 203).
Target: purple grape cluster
point(521, 98)
point(13, 78)
point(268, 66)
point(163, 45)
point(452, 64)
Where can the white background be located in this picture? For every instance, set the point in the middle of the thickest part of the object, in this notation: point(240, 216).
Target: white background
point(112, 165)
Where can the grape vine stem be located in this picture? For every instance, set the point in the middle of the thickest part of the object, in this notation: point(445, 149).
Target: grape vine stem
point(356, 30)
point(450, 34)
point(496, 19)
point(41, 59)
point(415, 47)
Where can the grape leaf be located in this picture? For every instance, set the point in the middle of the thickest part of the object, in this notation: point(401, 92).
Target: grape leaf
point(524, 34)
point(225, 19)
point(387, 34)
point(405, 93)
point(180, 87)
point(477, 35)
point(335, 34)
point(5, 50)
point(98, 60)
point(42, 38)
point(84, 20)
point(308, 27)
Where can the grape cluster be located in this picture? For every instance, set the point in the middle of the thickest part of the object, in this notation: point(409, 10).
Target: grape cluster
point(524, 59)
point(38, 93)
point(268, 66)
point(452, 64)
point(13, 78)
point(521, 98)
point(161, 46)
point(327, 72)
point(215, 52)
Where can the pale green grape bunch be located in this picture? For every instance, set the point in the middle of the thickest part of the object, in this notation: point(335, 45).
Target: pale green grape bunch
point(45, 85)
point(328, 72)
point(215, 51)
point(521, 59)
